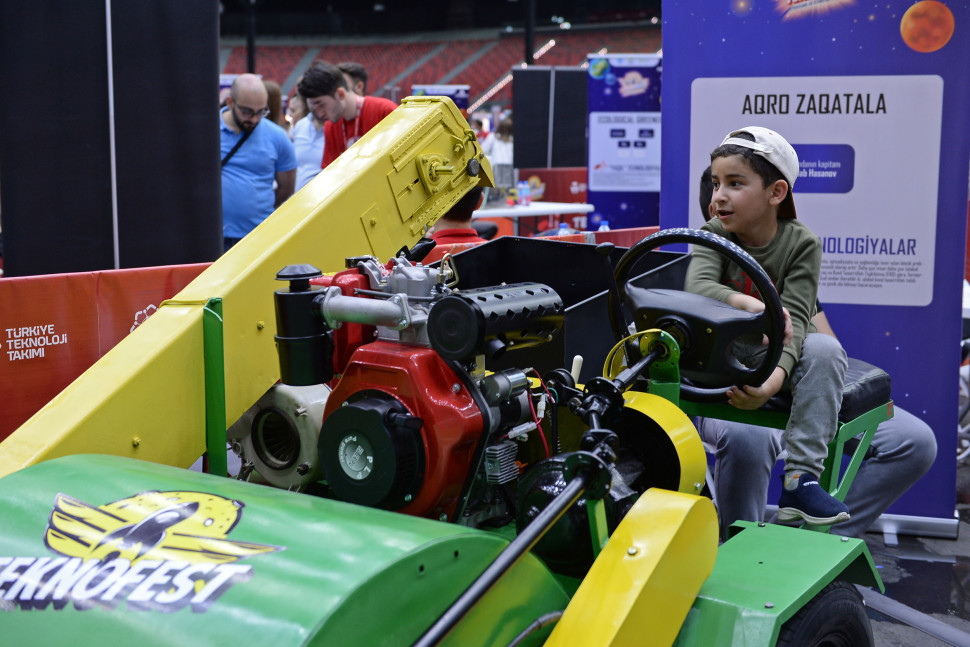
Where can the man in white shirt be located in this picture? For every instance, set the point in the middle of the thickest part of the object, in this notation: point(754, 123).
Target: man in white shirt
point(308, 143)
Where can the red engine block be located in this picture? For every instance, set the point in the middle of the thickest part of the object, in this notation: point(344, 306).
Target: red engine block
point(350, 336)
point(428, 389)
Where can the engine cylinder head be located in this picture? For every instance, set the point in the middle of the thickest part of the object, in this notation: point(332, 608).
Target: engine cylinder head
point(490, 320)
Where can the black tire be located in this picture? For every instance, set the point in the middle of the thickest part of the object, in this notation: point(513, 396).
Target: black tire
point(836, 617)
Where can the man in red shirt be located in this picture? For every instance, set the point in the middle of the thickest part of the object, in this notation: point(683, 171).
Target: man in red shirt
point(347, 114)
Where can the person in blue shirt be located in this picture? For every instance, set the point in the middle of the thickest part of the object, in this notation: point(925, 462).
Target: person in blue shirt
point(258, 162)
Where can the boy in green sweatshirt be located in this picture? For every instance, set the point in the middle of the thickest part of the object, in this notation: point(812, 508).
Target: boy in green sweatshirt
point(753, 171)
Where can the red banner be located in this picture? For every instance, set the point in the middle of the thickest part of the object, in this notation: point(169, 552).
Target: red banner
point(566, 184)
point(53, 327)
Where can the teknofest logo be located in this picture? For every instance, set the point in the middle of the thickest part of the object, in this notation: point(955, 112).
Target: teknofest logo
point(158, 551)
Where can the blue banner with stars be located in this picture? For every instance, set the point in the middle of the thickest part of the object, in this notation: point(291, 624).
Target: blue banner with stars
point(873, 97)
point(623, 168)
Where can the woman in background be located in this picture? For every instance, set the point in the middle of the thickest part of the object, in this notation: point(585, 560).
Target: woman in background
point(274, 102)
point(498, 148)
point(295, 110)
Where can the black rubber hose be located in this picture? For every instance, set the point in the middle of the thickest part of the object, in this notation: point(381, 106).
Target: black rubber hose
point(542, 621)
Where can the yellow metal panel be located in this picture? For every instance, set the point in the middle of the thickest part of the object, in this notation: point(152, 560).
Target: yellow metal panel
point(682, 433)
point(130, 403)
point(374, 226)
point(320, 225)
point(642, 585)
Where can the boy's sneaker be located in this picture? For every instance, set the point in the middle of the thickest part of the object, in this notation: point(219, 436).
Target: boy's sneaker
point(810, 502)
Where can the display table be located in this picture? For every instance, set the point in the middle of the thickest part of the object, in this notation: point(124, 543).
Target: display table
point(535, 209)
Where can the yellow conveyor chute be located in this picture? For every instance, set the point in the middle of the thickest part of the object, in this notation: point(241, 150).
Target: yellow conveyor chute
point(146, 397)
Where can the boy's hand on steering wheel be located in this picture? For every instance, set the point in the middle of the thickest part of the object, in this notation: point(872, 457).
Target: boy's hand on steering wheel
point(753, 397)
point(750, 304)
point(789, 330)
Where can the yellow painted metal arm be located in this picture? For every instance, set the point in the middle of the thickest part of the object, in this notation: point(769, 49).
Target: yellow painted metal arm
point(145, 397)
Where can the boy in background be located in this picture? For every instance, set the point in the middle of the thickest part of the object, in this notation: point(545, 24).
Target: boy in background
point(455, 226)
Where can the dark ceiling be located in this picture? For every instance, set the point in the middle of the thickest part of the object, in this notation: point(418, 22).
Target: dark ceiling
point(353, 17)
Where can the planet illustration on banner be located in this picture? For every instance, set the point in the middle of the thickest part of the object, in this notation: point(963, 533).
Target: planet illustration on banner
point(927, 26)
point(742, 7)
point(599, 67)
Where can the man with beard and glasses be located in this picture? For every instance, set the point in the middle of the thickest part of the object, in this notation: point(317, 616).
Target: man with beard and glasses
point(256, 155)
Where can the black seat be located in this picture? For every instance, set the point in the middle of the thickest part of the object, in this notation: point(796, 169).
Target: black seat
point(866, 387)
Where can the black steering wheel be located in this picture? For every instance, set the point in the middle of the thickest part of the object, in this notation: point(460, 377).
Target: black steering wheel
point(704, 328)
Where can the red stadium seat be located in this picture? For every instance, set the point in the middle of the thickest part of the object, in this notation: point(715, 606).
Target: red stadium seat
point(481, 63)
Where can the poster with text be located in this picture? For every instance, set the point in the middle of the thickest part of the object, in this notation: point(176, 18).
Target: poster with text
point(624, 140)
point(874, 250)
point(874, 98)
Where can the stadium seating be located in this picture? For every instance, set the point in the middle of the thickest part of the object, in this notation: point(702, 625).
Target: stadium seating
point(274, 62)
point(478, 62)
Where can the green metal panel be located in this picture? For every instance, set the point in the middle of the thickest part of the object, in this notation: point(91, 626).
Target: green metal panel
point(215, 387)
point(294, 569)
point(724, 411)
point(763, 575)
point(864, 426)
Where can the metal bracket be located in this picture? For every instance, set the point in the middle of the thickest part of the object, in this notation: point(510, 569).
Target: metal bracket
point(430, 170)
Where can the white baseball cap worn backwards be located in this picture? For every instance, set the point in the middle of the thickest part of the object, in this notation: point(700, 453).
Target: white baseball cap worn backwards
point(774, 148)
